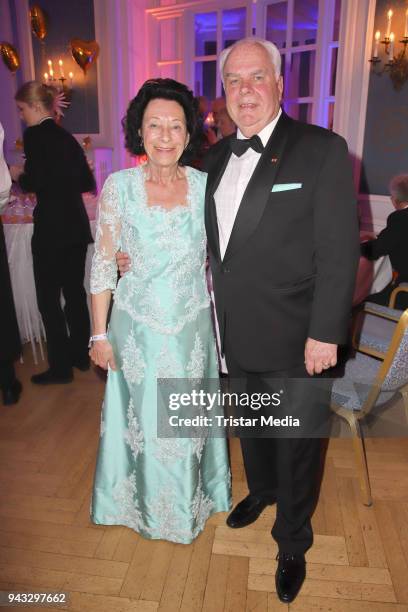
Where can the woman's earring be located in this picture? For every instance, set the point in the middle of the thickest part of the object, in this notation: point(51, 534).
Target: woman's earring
point(141, 141)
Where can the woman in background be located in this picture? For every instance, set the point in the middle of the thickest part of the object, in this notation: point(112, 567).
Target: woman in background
point(56, 170)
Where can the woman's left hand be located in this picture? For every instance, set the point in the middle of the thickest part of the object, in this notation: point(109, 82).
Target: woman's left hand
point(102, 355)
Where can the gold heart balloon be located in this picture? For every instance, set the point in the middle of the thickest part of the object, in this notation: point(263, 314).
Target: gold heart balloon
point(84, 52)
point(38, 22)
point(10, 56)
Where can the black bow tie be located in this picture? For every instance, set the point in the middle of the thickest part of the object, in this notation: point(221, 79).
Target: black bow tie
point(240, 145)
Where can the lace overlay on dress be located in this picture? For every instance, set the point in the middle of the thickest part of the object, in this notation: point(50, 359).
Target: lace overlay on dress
point(160, 328)
point(104, 271)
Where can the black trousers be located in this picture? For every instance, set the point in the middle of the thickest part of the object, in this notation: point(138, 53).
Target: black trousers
point(7, 374)
point(286, 469)
point(68, 329)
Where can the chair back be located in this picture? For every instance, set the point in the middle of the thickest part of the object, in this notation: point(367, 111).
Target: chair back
point(393, 373)
point(397, 373)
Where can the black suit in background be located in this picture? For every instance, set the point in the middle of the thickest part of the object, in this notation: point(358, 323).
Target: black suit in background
point(288, 274)
point(392, 241)
point(56, 170)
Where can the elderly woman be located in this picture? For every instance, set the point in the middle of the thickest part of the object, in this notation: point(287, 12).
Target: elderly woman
point(160, 327)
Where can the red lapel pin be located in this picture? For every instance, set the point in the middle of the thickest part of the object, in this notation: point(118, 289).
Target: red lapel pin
point(274, 160)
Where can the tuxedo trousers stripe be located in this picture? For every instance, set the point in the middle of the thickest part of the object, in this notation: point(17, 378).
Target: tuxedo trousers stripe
point(287, 470)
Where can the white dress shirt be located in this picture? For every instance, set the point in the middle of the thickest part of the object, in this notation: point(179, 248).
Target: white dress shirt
point(234, 182)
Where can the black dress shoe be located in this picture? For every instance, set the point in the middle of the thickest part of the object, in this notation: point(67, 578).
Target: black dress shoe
point(247, 511)
point(289, 576)
point(11, 395)
point(52, 378)
point(82, 364)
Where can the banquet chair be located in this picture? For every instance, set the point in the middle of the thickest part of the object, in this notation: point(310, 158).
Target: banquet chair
point(376, 373)
point(401, 288)
point(389, 312)
point(374, 337)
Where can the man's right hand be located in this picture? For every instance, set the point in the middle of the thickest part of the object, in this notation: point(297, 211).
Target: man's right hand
point(123, 262)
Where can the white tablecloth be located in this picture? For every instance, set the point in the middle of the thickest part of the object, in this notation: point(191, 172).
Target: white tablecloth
point(382, 274)
point(18, 243)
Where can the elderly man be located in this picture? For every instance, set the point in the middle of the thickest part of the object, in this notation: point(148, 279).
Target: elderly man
point(283, 238)
point(393, 241)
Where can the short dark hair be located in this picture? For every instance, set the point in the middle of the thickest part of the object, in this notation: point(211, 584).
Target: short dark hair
point(167, 89)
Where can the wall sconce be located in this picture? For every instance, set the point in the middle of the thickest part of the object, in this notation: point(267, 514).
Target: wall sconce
point(61, 82)
point(395, 65)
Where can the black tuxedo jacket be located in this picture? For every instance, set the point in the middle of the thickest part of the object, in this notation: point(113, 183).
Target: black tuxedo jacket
point(289, 269)
point(56, 170)
point(392, 241)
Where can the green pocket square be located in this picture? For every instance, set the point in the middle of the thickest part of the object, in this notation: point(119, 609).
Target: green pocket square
point(286, 186)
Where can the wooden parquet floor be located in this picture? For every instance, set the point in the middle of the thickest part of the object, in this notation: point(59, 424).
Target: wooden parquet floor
point(48, 443)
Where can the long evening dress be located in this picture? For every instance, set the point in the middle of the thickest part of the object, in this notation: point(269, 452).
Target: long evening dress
point(160, 327)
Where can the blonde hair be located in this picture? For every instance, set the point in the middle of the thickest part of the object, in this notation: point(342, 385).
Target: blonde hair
point(34, 92)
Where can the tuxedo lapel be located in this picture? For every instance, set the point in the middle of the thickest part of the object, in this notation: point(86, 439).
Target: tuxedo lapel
point(259, 187)
point(214, 177)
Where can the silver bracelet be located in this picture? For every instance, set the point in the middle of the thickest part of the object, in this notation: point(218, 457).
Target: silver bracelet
point(96, 338)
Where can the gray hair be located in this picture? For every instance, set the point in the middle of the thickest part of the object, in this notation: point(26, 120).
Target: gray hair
point(399, 188)
point(270, 48)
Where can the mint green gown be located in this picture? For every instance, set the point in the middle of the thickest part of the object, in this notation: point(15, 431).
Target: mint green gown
point(160, 327)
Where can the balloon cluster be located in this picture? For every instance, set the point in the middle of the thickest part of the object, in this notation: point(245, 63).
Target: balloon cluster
point(84, 52)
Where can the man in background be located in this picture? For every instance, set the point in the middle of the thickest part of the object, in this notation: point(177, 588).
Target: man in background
point(393, 241)
point(223, 124)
